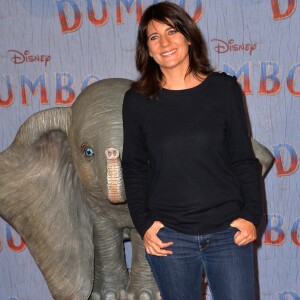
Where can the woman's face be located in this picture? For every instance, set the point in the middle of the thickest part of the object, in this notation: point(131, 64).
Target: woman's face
point(168, 47)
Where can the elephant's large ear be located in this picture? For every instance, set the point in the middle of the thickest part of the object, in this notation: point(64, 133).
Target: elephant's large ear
point(264, 156)
point(41, 197)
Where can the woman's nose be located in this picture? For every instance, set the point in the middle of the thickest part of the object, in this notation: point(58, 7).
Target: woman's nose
point(164, 41)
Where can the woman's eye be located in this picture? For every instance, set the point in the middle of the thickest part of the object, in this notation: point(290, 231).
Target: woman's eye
point(172, 31)
point(153, 37)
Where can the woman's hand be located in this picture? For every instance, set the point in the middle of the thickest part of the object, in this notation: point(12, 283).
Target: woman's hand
point(153, 244)
point(246, 233)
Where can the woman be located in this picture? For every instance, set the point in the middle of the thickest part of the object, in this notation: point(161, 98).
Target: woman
point(191, 179)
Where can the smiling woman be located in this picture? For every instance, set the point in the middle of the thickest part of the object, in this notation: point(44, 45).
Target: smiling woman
point(192, 181)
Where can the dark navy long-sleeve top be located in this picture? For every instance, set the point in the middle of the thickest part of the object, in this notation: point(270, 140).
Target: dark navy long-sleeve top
point(187, 158)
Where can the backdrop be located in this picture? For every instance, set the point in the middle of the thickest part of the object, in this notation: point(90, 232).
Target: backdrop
point(52, 49)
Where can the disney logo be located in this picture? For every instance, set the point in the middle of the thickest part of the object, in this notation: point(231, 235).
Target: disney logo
point(20, 58)
point(230, 46)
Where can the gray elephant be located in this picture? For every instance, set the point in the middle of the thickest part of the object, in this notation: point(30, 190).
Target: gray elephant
point(55, 182)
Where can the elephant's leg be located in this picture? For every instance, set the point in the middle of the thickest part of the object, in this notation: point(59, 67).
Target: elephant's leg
point(111, 275)
point(142, 285)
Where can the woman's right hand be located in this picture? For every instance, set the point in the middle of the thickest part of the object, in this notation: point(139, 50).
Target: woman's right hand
point(153, 244)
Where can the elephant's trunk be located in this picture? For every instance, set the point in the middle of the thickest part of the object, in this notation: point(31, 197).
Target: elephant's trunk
point(115, 183)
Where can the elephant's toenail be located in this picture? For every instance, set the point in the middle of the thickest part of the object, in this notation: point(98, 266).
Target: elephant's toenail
point(145, 296)
point(110, 296)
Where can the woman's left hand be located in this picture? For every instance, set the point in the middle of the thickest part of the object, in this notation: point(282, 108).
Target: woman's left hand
point(246, 233)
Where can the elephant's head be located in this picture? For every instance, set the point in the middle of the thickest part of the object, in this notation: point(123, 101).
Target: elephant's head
point(59, 157)
point(95, 137)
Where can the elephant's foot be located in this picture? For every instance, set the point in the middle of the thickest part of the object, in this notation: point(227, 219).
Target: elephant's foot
point(142, 286)
point(144, 295)
point(139, 288)
point(109, 295)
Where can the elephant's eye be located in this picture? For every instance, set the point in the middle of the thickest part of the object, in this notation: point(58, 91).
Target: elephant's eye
point(87, 150)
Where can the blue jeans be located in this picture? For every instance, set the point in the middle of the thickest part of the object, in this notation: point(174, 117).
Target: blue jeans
point(228, 267)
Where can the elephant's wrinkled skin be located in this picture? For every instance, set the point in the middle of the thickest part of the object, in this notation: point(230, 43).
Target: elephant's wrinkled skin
point(53, 191)
point(55, 182)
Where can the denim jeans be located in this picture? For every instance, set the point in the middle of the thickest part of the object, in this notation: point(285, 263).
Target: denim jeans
point(228, 267)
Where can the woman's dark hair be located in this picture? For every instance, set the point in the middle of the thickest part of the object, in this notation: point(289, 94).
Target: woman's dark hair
point(174, 16)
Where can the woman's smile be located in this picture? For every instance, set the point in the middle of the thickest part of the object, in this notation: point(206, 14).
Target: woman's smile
point(168, 53)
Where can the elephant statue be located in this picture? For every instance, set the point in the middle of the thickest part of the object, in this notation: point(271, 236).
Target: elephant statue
point(61, 188)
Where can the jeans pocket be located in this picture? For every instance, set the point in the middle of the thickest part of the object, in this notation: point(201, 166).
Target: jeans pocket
point(166, 234)
point(160, 230)
point(234, 229)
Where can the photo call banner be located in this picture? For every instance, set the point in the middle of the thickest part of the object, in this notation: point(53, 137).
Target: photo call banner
point(51, 50)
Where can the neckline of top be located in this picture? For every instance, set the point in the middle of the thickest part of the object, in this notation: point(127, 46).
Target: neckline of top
point(201, 84)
